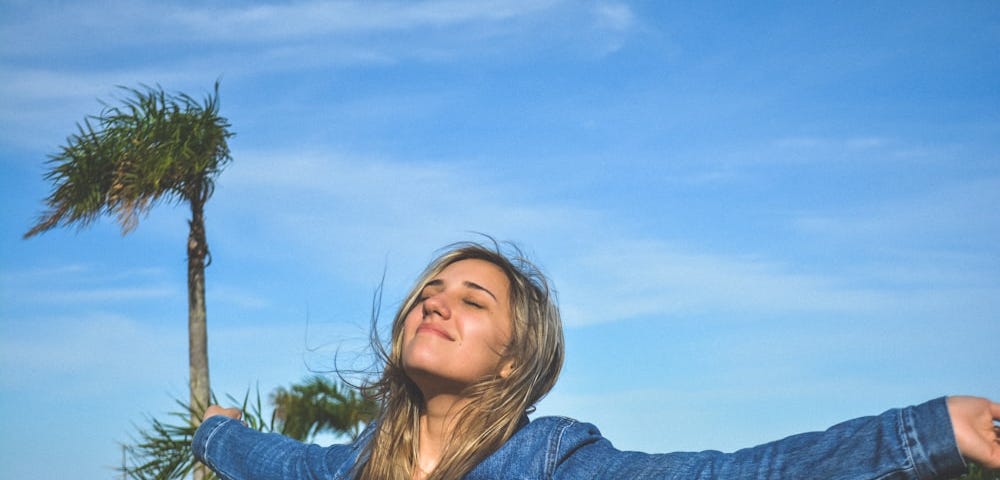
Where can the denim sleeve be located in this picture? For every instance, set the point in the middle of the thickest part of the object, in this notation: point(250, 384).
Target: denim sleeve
point(909, 443)
point(236, 452)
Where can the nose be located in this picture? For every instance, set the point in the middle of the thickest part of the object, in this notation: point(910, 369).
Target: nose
point(437, 304)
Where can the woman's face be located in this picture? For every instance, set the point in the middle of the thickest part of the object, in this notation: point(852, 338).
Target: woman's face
point(458, 330)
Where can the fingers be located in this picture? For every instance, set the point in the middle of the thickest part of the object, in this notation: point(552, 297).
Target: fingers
point(972, 421)
point(980, 431)
point(216, 410)
point(995, 413)
point(990, 434)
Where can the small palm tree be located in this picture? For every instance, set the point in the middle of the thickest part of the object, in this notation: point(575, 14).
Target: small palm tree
point(155, 147)
point(319, 405)
point(162, 451)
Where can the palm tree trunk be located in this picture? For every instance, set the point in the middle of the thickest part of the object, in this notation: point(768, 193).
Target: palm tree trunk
point(197, 331)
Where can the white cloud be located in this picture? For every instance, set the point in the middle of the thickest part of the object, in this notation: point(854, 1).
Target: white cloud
point(867, 143)
point(47, 83)
point(725, 417)
point(849, 143)
point(86, 284)
point(43, 106)
point(101, 294)
point(605, 273)
point(43, 273)
point(269, 22)
point(266, 37)
point(237, 296)
point(89, 352)
point(392, 213)
point(627, 278)
point(614, 16)
point(613, 22)
point(962, 212)
point(370, 203)
point(120, 22)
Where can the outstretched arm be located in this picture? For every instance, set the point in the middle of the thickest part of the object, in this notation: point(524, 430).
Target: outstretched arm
point(976, 432)
point(236, 452)
point(912, 443)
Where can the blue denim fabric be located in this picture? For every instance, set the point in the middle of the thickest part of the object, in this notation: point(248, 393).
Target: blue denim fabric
point(909, 443)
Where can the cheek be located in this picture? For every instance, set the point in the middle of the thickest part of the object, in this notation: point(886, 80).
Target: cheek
point(409, 331)
point(410, 322)
point(501, 332)
point(488, 340)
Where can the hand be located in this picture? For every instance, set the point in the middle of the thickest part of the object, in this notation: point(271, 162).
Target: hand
point(978, 437)
point(215, 410)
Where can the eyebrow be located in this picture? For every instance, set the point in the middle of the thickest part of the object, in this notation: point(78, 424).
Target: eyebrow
point(475, 286)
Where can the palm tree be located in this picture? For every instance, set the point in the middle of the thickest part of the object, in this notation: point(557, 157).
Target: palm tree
point(319, 405)
point(155, 147)
point(162, 450)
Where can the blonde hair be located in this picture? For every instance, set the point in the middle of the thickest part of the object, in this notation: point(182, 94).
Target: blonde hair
point(536, 351)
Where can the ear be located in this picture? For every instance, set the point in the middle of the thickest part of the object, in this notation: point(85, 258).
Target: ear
point(506, 368)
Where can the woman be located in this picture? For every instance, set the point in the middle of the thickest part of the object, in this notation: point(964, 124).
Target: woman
point(478, 341)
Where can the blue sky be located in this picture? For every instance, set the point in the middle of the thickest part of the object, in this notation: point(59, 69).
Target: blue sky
point(761, 219)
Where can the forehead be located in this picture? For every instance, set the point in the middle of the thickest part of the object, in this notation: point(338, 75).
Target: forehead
point(480, 272)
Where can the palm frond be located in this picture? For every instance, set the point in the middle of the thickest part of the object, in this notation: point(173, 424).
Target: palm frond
point(319, 405)
point(152, 147)
point(162, 450)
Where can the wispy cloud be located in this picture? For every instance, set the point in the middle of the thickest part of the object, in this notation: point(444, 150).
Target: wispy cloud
point(654, 278)
point(370, 203)
point(237, 296)
point(823, 149)
point(102, 295)
point(42, 105)
point(86, 284)
point(635, 418)
point(90, 351)
point(951, 214)
point(617, 20)
point(339, 22)
point(270, 22)
point(44, 272)
point(255, 24)
point(614, 16)
point(48, 82)
point(850, 143)
point(92, 272)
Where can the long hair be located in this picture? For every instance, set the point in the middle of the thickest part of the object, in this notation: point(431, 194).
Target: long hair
point(535, 351)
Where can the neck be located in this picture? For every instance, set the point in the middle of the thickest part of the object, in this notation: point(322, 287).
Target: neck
point(437, 421)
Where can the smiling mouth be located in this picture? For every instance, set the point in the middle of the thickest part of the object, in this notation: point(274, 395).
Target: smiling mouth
point(425, 328)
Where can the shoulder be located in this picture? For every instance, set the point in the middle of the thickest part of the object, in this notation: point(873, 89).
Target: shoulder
point(538, 448)
point(557, 431)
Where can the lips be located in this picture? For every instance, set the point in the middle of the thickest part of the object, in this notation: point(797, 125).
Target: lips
point(434, 330)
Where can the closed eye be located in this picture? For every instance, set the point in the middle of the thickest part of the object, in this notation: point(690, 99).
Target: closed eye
point(429, 290)
point(473, 303)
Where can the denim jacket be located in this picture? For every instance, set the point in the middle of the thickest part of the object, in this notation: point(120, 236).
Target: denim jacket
point(909, 443)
